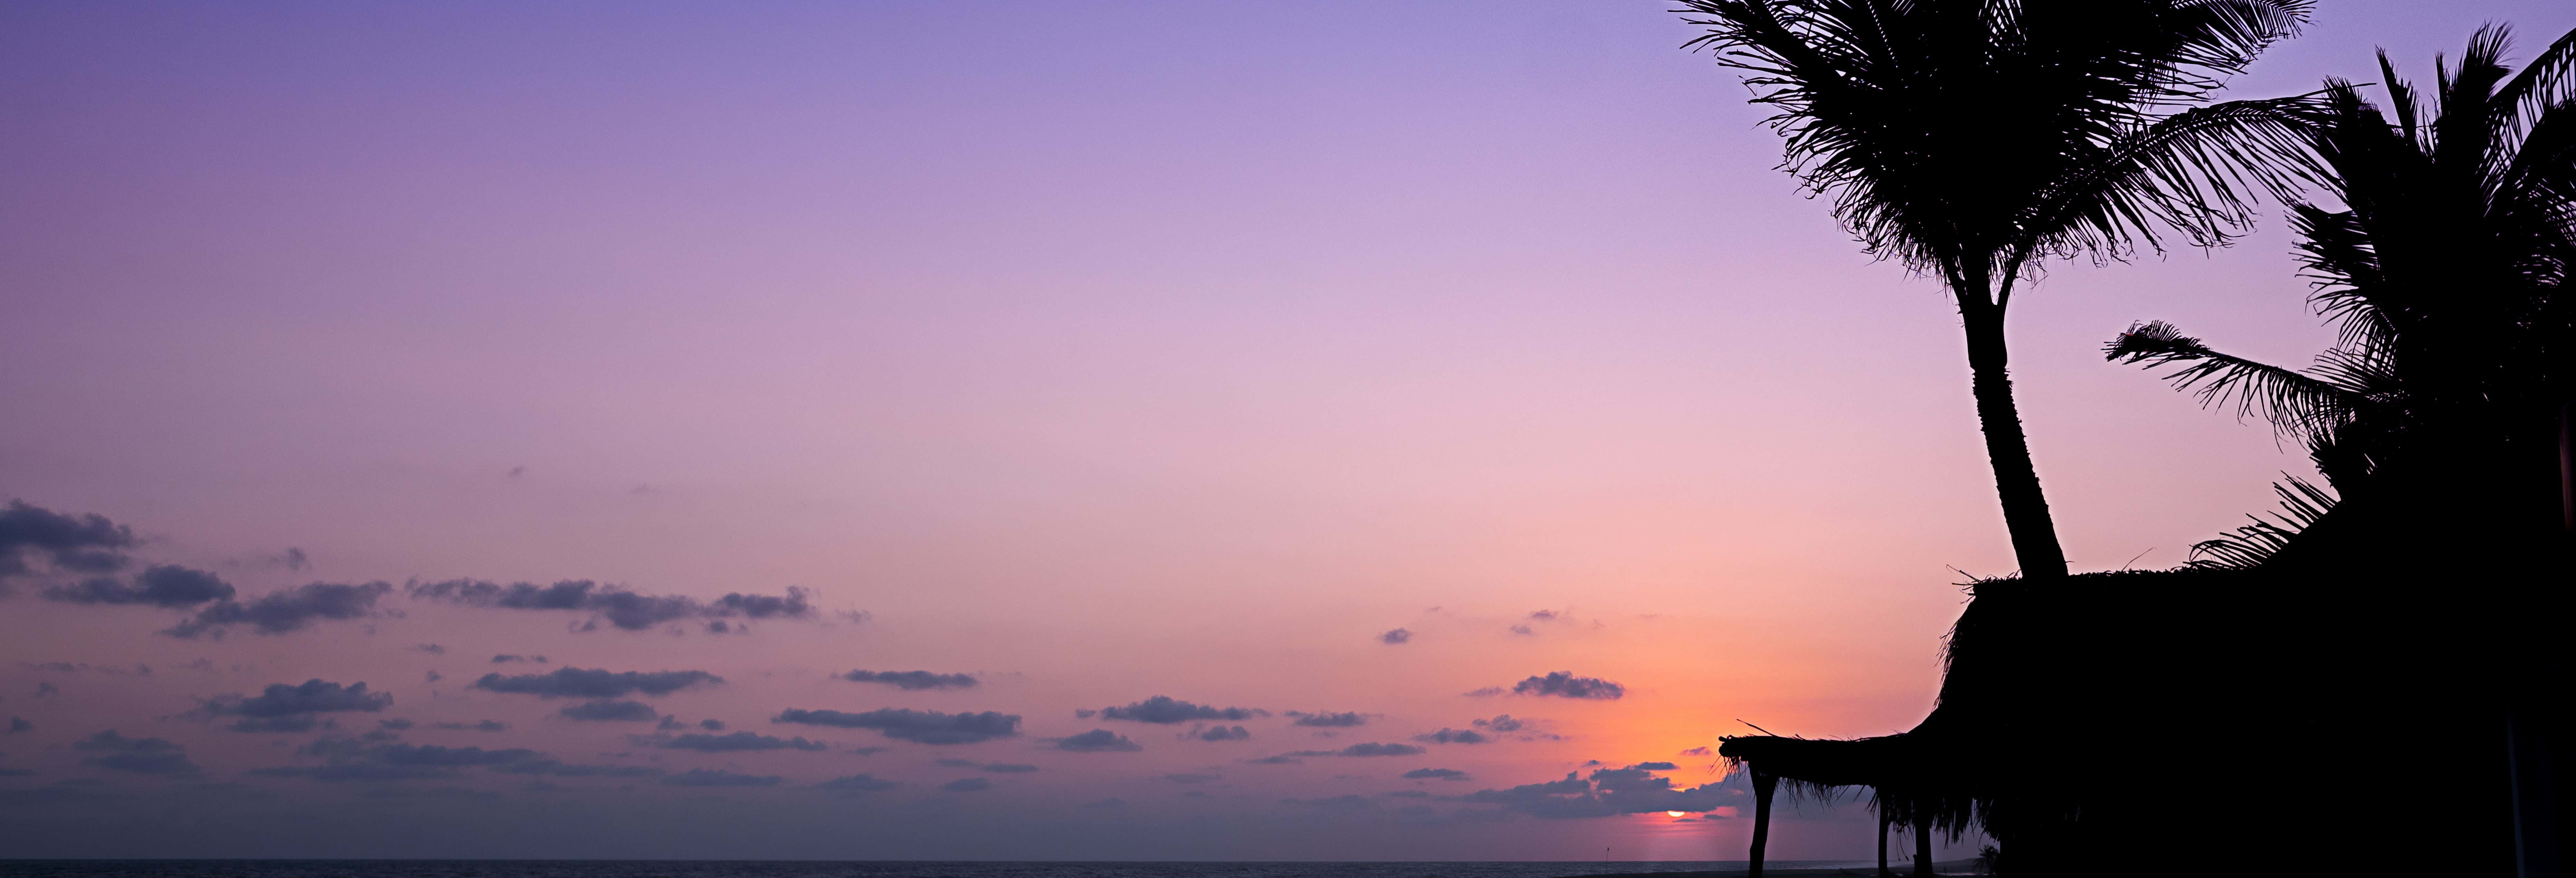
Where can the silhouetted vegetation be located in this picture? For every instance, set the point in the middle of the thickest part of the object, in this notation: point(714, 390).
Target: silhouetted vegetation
point(2083, 719)
point(1973, 141)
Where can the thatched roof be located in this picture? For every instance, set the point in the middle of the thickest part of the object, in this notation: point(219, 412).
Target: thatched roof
point(2037, 677)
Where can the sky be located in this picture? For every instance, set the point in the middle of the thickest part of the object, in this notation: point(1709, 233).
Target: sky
point(1258, 431)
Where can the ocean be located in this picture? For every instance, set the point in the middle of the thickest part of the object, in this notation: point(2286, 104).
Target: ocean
point(828, 869)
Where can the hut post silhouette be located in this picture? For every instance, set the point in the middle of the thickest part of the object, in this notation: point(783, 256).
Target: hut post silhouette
point(1763, 785)
point(1882, 844)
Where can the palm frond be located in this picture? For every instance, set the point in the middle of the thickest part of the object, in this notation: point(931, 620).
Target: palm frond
point(2198, 171)
point(2293, 403)
point(2549, 80)
point(2302, 504)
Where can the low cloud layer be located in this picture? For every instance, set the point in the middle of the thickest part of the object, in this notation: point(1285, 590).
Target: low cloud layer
point(66, 543)
point(581, 683)
point(1609, 792)
point(737, 742)
point(619, 607)
point(154, 756)
point(287, 610)
point(1098, 741)
point(1562, 684)
point(1165, 710)
point(610, 711)
point(918, 726)
point(1344, 720)
point(913, 680)
point(701, 777)
point(1368, 749)
point(1454, 736)
point(160, 585)
point(284, 708)
point(346, 760)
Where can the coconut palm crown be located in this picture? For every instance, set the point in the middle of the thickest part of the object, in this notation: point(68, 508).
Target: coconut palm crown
point(1973, 140)
point(2442, 258)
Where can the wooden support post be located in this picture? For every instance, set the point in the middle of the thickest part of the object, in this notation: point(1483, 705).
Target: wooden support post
point(1883, 820)
point(1763, 783)
point(1922, 841)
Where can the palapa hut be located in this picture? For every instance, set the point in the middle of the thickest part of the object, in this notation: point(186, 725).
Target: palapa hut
point(2338, 706)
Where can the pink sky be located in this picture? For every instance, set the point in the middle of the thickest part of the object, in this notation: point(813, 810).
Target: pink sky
point(1101, 352)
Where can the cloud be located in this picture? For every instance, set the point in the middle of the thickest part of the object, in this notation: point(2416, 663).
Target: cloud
point(609, 711)
point(510, 657)
point(1396, 636)
point(1454, 736)
point(619, 607)
point(292, 559)
point(712, 725)
point(1607, 792)
point(553, 768)
point(1343, 720)
point(1698, 751)
point(287, 610)
point(1485, 692)
point(1275, 760)
point(1010, 768)
point(1365, 750)
point(481, 725)
point(913, 680)
point(858, 783)
point(1191, 778)
point(138, 755)
point(1163, 710)
point(1524, 631)
point(1543, 616)
point(919, 726)
point(738, 741)
point(1435, 774)
point(1098, 741)
point(1219, 733)
point(1339, 804)
point(967, 785)
point(69, 543)
point(351, 760)
point(700, 777)
point(20, 724)
point(160, 585)
point(1566, 685)
point(284, 708)
point(1501, 723)
point(431, 648)
point(955, 763)
point(580, 683)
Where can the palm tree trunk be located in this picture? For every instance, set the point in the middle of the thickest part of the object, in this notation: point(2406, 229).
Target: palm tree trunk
point(2034, 535)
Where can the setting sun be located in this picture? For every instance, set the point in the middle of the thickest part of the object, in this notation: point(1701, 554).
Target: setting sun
point(1675, 813)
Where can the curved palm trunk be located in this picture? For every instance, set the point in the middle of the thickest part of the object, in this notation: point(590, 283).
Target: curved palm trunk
point(2034, 534)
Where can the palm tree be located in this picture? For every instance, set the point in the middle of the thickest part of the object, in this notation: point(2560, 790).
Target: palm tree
point(1972, 140)
point(2442, 271)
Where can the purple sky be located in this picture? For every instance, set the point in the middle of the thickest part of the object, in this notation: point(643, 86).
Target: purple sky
point(1100, 352)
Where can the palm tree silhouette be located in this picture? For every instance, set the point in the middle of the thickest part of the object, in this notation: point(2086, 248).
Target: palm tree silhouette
point(2442, 273)
point(1974, 139)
